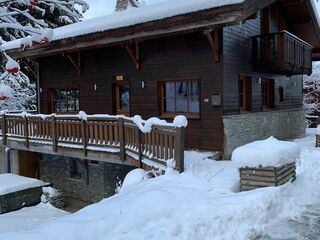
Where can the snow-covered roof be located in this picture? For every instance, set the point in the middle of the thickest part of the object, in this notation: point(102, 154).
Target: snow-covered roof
point(132, 16)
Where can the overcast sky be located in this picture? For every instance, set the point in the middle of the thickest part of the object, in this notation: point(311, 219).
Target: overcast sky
point(103, 7)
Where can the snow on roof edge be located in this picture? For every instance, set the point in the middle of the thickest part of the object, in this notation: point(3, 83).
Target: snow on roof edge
point(130, 17)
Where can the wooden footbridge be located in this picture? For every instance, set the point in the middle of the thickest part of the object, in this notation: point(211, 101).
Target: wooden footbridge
point(105, 138)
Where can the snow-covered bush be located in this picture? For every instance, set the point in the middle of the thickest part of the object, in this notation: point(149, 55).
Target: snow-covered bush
point(311, 90)
point(31, 20)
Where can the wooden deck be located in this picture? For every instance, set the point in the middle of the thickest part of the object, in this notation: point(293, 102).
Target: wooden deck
point(99, 137)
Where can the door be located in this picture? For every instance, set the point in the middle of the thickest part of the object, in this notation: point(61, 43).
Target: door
point(122, 98)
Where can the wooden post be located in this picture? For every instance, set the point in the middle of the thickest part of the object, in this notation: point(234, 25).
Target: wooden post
point(140, 148)
point(4, 129)
point(179, 149)
point(54, 134)
point(26, 131)
point(84, 137)
point(121, 140)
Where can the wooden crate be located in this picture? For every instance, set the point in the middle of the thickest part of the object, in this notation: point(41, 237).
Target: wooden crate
point(317, 140)
point(252, 178)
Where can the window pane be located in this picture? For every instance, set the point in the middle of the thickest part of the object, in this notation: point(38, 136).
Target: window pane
point(182, 104)
point(124, 98)
point(193, 88)
point(181, 89)
point(168, 89)
point(71, 106)
point(64, 106)
point(194, 104)
point(169, 105)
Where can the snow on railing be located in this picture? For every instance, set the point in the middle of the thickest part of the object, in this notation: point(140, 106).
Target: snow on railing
point(148, 141)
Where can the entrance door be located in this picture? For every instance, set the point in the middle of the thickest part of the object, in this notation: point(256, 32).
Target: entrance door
point(122, 98)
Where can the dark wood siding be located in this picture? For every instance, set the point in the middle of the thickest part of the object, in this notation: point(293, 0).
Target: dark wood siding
point(237, 55)
point(168, 58)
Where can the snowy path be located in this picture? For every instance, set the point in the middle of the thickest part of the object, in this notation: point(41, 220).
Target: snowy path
point(305, 227)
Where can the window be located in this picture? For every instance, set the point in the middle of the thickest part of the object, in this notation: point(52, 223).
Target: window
point(267, 90)
point(77, 170)
point(245, 93)
point(180, 96)
point(281, 94)
point(65, 100)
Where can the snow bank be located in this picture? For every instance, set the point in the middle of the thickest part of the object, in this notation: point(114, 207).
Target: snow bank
point(130, 17)
point(200, 203)
point(11, 183)
point(266, 153)
point(134, 177)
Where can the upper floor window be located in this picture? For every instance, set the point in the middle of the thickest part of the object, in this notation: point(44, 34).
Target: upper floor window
point(66, 100)
point(245, 93)
point(267, 90)
point(180, 97)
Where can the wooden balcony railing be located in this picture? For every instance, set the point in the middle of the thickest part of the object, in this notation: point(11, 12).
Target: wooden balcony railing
point(282, 53)
point(112, 134)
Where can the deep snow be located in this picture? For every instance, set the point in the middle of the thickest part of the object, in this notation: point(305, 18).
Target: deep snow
point(201, 203)
point(11, 183)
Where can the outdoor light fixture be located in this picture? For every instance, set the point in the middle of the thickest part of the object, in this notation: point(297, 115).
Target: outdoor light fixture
point(143, 84)
point(95, 87)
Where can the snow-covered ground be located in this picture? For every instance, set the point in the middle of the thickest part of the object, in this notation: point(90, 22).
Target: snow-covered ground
point(28, 218)
point(202, 203)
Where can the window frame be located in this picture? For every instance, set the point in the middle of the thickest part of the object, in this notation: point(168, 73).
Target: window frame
point(161, 98)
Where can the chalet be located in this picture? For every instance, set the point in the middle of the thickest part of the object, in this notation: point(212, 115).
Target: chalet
point(234, 68)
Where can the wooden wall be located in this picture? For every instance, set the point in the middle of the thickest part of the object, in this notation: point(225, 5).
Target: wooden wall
point(238, 59)
point(167, 58)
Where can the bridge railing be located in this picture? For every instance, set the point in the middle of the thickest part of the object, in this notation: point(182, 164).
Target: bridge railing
point(98, 133)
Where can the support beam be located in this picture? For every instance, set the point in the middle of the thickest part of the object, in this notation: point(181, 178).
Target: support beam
point(134, 53)
point(8, 159)
point(31, 68)
point(214, 40)
point(75, 62)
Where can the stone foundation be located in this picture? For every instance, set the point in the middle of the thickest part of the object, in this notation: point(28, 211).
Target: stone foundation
point(248, 127)
point(96, 180)
point(16, 200)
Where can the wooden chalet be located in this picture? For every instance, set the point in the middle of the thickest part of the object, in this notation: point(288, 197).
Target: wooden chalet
point(234, 70)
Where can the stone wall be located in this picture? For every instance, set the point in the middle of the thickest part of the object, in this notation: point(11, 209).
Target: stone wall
point(16, 200)
point(244, 128)
point(98, 180)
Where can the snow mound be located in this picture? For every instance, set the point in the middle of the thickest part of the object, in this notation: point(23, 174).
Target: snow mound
point(12, 183)
point(266, 153)
point(180, 121)
point(134, 177)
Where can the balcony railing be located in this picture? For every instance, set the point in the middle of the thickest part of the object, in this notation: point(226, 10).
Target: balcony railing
point(282, 53)
point(98, 133)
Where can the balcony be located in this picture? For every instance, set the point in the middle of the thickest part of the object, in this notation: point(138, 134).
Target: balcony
point(282, 53)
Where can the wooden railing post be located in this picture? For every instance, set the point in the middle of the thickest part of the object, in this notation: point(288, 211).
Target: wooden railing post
point(140, 148)
point(54, 134)
point(121, 139)
point(179, 149)
point(26, 131)
point(4, 129)
point(84, 137)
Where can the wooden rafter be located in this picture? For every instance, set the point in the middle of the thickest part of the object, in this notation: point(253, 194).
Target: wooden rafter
point(76, 61)
point(134, 53)
point(30, 67)
point(214, 40)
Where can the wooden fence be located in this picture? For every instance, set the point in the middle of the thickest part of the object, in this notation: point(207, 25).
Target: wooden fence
point(97, 133)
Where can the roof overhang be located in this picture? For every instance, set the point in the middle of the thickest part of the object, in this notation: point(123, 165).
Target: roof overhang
point(194, 21)
point(304, 22)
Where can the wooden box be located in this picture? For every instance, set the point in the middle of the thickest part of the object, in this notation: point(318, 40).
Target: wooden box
point(252, 178)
